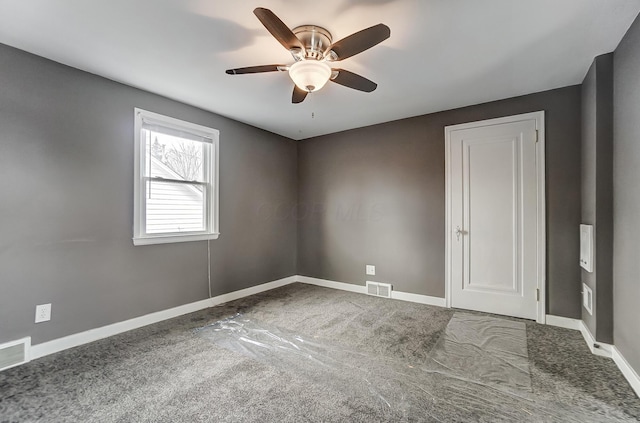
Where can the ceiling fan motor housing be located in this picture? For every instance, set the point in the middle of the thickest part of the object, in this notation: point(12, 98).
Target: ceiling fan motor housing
point(314, 51)
point(316, 41)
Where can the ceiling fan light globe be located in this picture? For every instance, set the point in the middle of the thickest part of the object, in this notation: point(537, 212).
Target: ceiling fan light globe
point(310, 75)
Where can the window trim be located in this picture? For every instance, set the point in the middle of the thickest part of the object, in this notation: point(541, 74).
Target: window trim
point(211, 163)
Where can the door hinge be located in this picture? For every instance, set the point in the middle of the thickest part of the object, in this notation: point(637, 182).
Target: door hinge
point(538, 294)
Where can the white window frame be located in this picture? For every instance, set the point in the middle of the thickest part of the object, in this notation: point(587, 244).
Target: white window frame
point(211, 163)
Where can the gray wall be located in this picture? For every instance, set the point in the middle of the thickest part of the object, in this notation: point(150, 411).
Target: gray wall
point(66, 205)
point(376, 195)
point(597, 191)
point(626, 177)
point(588, 159)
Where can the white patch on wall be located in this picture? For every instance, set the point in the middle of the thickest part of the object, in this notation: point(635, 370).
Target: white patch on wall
point(379, 289)
point(14, 353)
point(587, 298)
point(586, 247)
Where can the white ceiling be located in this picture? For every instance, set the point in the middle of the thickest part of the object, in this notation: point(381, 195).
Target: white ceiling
point(442, 54)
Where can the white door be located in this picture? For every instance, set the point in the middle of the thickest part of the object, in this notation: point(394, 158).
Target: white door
point(493, 216)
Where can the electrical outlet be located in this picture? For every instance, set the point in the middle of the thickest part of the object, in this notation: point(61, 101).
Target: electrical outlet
point(371, 270)
point(43, 313)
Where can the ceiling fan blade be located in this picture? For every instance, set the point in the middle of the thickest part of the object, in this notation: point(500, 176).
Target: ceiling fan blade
point(255, 69)
point(278, 29)
point(360, 41)
point(298, 95)
point(355, 81)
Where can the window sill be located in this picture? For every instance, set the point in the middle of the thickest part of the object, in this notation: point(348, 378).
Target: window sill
point(174, 238)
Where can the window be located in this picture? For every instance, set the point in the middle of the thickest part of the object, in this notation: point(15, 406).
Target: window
point(176, 180)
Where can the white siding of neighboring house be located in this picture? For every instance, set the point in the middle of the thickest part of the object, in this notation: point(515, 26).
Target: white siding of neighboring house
point(173, 207)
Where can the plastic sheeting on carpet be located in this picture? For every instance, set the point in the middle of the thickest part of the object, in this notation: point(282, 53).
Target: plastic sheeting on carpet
point(486, 349)
point(477, 371)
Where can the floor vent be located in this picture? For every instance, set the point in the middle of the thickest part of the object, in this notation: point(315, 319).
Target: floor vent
point(379, 289)
point(14, 353)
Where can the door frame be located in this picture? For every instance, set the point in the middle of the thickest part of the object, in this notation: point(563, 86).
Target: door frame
point(541, 249)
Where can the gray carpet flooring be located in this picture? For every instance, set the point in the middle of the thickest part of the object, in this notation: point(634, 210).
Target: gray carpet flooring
point(308, 354)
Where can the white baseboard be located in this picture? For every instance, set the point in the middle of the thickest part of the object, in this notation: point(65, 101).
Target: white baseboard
point(419, 298)
point(602, 349)
point(627, 370)
point(91, 335)
point(361, 289)
point(563, 322)
point(235, 295)
point(56, 345)
point(60, 344)
point(597, 348)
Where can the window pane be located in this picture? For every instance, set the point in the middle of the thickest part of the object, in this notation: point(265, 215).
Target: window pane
point(172, 157)
point(174, 207)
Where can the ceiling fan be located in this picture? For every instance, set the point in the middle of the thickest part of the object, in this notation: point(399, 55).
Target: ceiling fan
point(313, 50)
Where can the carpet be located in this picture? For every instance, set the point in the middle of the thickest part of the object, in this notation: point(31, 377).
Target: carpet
point(327, 356)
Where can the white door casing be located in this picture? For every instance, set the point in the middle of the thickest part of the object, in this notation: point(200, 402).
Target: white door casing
point(495, 242)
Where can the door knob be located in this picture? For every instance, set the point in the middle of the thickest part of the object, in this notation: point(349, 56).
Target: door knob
point(459, 232)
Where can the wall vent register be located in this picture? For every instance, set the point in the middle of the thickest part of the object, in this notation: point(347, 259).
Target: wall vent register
point(587, 298)
point(14, 353)
point(379, 289)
